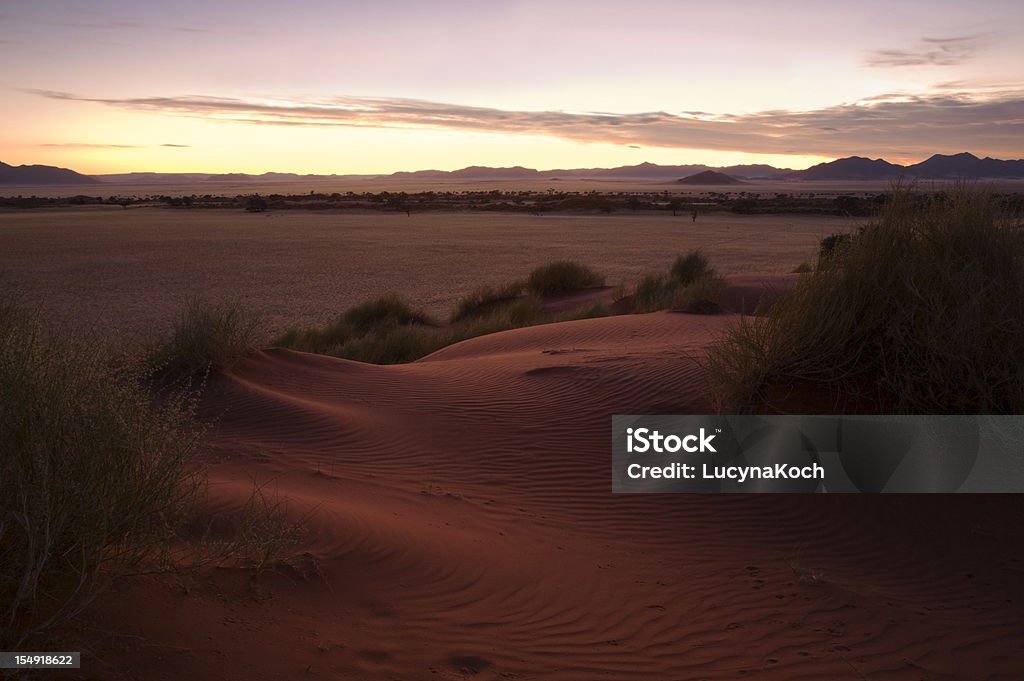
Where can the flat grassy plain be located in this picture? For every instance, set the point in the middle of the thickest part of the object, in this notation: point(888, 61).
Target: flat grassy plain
point(122, 272)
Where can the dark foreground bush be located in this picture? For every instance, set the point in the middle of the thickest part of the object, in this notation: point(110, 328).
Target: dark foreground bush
point(561, 277)
point(92, 473)
point(206, 337)
point(921, 312)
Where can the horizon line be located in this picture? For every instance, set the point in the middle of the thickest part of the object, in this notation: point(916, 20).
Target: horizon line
point(489, 167)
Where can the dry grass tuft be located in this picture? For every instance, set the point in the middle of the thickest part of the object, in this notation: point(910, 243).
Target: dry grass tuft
point(561, 277)
point(94, 472)
point(921, 312)
point(207, 337)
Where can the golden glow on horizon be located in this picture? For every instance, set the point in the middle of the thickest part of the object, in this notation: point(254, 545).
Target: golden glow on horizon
point(223, 147)
point(373, 88)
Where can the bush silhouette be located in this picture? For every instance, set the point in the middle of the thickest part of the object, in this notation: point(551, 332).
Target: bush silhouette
point(921, 312)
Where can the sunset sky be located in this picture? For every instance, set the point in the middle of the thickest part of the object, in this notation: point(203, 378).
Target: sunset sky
point(368, 87)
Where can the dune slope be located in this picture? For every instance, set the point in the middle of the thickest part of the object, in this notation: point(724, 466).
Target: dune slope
point(458, 523)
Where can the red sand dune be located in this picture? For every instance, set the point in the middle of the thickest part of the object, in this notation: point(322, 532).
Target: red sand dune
point(459, 524)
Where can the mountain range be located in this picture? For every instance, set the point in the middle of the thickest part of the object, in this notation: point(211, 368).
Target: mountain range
point(937, 167)
point(36, 175)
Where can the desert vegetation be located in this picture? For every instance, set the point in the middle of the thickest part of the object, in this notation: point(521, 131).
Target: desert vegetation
point(561, 277)
point(101, 471)
point(388, 330)
point(537, 203)
point(690, 286)
point(921, 311)
point(487, 299)
point(94, 472)
point(205, 337)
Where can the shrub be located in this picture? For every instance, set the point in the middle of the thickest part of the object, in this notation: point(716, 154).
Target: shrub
point(383, 312)
point(691, 267)
point(922, 312)
point(206, 337)
point(562, 277)
point(92, 473)
point(691, 286)
point(486, 299)
point(363, 326)
point(395, 344)
point(703, 296)
point(653, 292)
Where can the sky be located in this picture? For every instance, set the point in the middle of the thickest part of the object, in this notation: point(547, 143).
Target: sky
point(350, 87)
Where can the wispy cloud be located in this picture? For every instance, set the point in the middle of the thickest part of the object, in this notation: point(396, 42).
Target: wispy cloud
point(93, 145)
point(891, 123)
point(931, 52)
point(87, 145)
point(114, 25)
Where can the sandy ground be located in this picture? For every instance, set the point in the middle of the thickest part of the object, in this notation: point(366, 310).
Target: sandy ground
point(458, 524)
point(456, 513)
point(131, 270)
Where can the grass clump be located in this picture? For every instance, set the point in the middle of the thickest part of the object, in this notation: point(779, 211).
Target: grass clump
point(486, 299)
point(653, 292)
point(387, 320)
point(702, 296)
point(921, 312)
point(399, 343)
point(93, 473)
point(386, 311)
point(206, 337)
point(391, 345)
point(561, 277)
point(690, 286)
point(690, 267)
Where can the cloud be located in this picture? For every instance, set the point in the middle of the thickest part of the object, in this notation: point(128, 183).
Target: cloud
point(176, 146)
point(85, 145)
point(91, 145)
point(114, 25)
point(912, 124)
point(932, 52)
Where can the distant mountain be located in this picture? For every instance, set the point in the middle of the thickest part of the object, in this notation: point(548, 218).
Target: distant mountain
point(41, 175)
point(709, 177)
point(851, 168)
point(152, 178)
point(940, 167)
point(755, 171)
point(641, 171)
point(484, 173)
